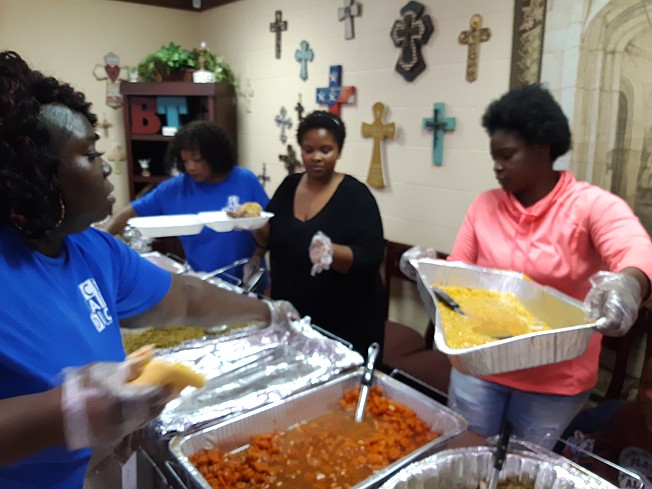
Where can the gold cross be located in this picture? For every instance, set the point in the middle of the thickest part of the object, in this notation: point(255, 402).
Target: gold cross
point(473, 37)
point(378, 131)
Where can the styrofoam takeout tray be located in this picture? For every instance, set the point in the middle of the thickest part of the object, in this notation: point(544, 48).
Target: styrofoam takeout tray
point(164, 226)
point(568, 337)
point(219, 221)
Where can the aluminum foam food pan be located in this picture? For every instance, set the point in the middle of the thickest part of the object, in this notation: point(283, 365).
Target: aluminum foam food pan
point(466, 468)
point(235, 432)
point(568, 337)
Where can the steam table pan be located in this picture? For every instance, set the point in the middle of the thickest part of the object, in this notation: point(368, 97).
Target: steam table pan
point(235, 432)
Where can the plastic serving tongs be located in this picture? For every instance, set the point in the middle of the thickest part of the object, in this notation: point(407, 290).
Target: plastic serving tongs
point(500, 454)
point(367, 380)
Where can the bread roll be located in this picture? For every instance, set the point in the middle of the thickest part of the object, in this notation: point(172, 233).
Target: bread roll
point(176, 375)
point(248, 209)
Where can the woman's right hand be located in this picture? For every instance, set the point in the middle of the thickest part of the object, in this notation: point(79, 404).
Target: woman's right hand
point(100, 406)
point(415, 252)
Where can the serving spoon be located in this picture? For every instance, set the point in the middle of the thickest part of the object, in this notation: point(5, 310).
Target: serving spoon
point(485, 328)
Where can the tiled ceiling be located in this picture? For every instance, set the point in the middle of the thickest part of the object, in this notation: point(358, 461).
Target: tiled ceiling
point(181, 4)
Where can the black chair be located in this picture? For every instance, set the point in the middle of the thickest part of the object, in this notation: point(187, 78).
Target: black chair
point(405, 348)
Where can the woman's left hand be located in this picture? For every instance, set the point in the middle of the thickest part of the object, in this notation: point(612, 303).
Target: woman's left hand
point(321, 253)
point(614, 300)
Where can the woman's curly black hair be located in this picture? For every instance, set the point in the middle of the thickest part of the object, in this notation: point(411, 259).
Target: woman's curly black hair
point(534, 114)
point(320, 119)
point(209, 139)
point(30, 195)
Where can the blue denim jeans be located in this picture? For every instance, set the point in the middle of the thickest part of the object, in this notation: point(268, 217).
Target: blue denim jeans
point(537, 418)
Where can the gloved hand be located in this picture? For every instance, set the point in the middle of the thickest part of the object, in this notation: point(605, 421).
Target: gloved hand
point(614, 299)
point(282, 312)
point(250, 267)
point(99, 406)
point(415, 252)
point(321, 253)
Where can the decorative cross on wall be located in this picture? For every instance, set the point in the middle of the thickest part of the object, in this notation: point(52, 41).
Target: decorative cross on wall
point(473, 37)
point(264, 177)
point(105, 125)
point(410, 34)
point(292, 164)
point(284, 122)
point(351, 9)
point(378, 131)
point(299, 109)
point(246, 92)
point(303, 55)
point(439, 126)
point(277, 27)
point(335, 94)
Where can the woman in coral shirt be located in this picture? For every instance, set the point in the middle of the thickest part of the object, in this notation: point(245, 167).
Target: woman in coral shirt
point(570, 235)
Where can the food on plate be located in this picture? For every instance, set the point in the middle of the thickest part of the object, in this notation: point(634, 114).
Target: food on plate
point(485, 310)
point(176, 375)
point(331, 450)
point(248, 209)
point(160, 337)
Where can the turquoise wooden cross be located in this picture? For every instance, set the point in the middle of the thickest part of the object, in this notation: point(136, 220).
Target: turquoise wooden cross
point(303, 55)
point(439, 125)
point(335, 94)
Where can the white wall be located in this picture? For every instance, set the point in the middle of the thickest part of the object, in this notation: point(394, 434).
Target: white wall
point(422, 204)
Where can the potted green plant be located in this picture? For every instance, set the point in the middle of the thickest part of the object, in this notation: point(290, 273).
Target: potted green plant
point(173, 62)
point(170, 62)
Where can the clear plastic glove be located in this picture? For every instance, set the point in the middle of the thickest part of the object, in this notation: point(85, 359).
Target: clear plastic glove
point(100, 407)
point(282, 312)
point(415, 252)
point(614, 299)
point(250, 267)
point(321, 253)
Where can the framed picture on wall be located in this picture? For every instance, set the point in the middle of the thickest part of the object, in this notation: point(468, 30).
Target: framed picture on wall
point(527, 42)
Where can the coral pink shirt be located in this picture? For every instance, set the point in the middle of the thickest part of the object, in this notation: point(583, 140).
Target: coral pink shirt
point(560, 241)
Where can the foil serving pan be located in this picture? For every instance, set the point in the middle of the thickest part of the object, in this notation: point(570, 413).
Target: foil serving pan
point(235, 433)
point(568, 337)
point(246, 369)
point(466, 468)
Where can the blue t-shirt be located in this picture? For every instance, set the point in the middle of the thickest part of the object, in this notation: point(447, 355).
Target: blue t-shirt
point(209, 249)
point(64, 312)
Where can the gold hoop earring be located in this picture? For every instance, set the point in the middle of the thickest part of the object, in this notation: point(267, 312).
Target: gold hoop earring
point(62, 214)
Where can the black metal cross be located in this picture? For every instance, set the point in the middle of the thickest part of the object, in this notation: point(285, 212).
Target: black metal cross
point(264, 177)
point(299, 109)
point(290, 160)
point(277, 27)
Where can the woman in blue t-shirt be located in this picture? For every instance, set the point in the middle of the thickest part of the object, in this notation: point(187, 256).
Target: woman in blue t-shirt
point(68, 288)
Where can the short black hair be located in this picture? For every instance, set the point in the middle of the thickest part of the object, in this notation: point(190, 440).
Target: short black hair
point(29, 184)
point(320, 119)
point(533, 113)
point(210, 140)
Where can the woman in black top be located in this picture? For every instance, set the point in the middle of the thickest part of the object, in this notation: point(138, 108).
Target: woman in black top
point(326, 240)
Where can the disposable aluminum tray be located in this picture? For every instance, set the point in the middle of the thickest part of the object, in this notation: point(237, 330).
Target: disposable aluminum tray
point(246, 369)
point(236, 432)
point(465, 468)
point(568, 337)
